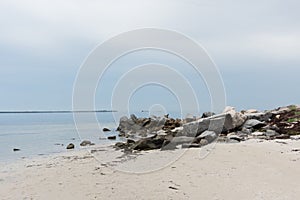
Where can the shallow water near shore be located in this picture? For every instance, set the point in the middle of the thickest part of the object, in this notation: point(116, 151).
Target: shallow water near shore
point(45, 133)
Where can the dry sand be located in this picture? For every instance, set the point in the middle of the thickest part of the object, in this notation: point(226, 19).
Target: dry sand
point(247, 170)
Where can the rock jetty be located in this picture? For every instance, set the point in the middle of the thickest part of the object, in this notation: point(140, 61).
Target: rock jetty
point(194, 132)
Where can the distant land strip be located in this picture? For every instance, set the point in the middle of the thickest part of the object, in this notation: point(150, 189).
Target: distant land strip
point(55, 111)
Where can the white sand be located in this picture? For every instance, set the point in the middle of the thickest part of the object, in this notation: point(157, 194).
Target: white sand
point(248, 170)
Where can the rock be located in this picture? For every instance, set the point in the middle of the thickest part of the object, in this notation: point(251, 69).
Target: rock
point(86, 143)
point(172, 143)
point(190, 118)
point(16, 149)
point(187, 146)
point(210, 136)
point(280, 110)
point(177, 131)
point(235, 119)
point(171, 124)
point(133, 118)
point(295, 137)
point(106, 130)
point(282, 136)
point(130, 141)
point(229, 120)
point(181, 140)
point(264, 117)
point(121, 145)
point(207, 114)
point(203, 142)
point(251, 111)
point(141, 126)
point(70, 146)
point(271, 133)
point(195, 128)
point(112, 137)
point(253, 123)
point(235, 137)
point(148, 144)
point(256, 134)
point(246, 131)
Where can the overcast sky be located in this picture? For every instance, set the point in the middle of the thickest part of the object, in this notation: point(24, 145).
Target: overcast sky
point(255, 44)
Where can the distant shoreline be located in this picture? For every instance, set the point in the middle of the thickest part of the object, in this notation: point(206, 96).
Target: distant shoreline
point(55, 111)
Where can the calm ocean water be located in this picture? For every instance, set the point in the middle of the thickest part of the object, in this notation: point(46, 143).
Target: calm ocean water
point(39, 134)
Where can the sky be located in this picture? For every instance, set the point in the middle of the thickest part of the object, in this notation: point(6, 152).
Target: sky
point(255, 45)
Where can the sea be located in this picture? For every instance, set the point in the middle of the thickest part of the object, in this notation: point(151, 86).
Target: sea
point(42, 134)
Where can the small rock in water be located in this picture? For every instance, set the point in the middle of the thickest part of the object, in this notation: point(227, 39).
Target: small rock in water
point(112, 137)
point(15, 149)
point(106, 130)
point(71, 146)
point(86, 143)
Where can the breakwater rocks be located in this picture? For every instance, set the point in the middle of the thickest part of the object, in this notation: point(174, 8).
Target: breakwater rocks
point(229, 126)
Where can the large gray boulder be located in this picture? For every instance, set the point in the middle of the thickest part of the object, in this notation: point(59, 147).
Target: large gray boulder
point(253, 123)
point(140, 125)
point(233, 119)
point(195, 128)
point(226, 121)
point(148, 144)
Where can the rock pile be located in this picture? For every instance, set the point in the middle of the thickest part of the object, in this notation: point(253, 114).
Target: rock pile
point(230, 126)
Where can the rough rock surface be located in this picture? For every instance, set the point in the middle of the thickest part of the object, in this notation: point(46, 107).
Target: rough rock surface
point(86, 143)
point(70, 146)
point(229, 126)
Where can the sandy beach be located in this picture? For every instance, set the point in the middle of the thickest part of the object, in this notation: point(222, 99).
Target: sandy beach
point(249, 170)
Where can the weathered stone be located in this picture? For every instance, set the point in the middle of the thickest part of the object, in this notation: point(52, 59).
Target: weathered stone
point(271, 133)
point(251, 111)
point(121, 145)
point(193, 129)
point(105, 130)
point(112, 137)
point(203, 142)
point(246, 131)
point(133, 118)
point(86, 143)
point(148, 144)
point(235, 137)
point(235, 119)
point(189, 118)
point(141, 126)
point(181, 140)
point(207, 114)
point(16, 149)
point(261, 116)
point(253, 123)
point(280, 110)
point(71, 146)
